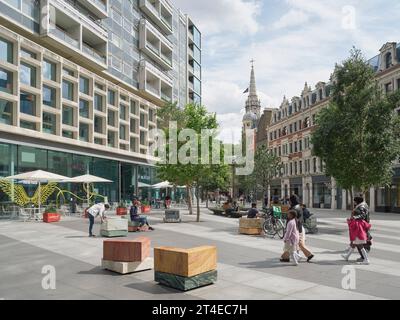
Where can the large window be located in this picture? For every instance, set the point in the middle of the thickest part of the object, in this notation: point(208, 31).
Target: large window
point(28, 54)
point(84, 85)
point(83, 132)
point(6, 112)
point(68, 116)
point(6, 81)
point(31, 8)
point(84, 108)
point(122, 132)
point(122, 112)
point(111, 97)
point(28, 125)
point(6, 51)
point(68, 90)
point(28, 74)
point(28, 103)
point(142, 120)
point(49, 123)
point(98, 124)
point(49, 96)
point(98, 102)
point(111, 118)
point(49, 70)
point(111, 139)
point(388, 60)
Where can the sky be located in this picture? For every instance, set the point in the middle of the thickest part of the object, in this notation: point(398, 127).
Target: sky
point(291, 41)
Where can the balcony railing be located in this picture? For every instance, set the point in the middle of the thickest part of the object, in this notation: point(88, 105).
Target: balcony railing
point(153, 90)
point(168, 23)
point(166, 59)
point(61, 34)
point(153, 48)
point(165, 97)
point(152, 8)
point(94, 53)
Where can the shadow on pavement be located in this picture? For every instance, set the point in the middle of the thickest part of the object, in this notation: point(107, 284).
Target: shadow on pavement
point(152, 288)
point(99, 271)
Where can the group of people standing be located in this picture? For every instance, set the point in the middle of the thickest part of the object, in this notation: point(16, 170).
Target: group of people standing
point(359, 232)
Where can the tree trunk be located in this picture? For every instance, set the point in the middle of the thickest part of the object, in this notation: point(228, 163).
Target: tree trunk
point(189, 199)
point(207, 199)
point(351, 198)
point(198, 204)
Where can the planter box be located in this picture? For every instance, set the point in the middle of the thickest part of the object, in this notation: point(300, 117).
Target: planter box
point(51, 217)
point(145, 209)
point(251, 223)
point(114, 234)
point(126, 250)
point(122, 211)
point(251, 231)
point(185, 283)
point(185, 262)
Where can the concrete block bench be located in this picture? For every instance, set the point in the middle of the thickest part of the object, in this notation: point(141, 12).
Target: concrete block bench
point(251, 226)
point(172, 216)
point(114, 227)
point(127, 256)
point(185, 269)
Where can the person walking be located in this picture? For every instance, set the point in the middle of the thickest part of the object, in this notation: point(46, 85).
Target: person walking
point(296, 206)
point(94, 211)
point(291, 238)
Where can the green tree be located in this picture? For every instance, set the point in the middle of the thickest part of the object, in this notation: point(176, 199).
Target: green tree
point(193, 175)
point(357, 135)
point(266, 166)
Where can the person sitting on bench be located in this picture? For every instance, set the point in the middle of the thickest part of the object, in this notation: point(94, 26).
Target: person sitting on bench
point(133, 212)
point(253, 212)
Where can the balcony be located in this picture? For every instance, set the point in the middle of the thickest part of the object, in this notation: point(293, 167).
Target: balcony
point(71, 33)
point(155, 45)
point(154, 82)
point(160, 12)
point(97, 7)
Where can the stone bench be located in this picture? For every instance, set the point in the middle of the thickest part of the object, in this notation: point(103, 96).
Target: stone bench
point(127, 256)
point(172, 216)
point(251, 226)
point(185, 269)
point(114, 227)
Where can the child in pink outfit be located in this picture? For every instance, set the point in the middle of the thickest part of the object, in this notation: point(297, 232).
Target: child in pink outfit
point(358, 232)
point(291, 238)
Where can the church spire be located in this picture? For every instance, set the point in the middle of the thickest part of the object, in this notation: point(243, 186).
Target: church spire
point(253, 88)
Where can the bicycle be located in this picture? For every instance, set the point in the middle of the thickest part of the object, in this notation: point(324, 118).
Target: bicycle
point(274, 223)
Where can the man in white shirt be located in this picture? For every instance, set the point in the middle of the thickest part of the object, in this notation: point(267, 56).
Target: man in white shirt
point(96, 210)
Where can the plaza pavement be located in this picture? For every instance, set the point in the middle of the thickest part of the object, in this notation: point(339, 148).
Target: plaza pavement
point(248, 267)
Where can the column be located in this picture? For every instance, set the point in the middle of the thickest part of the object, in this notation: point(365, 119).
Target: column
point(372, 199)
point(344, 200)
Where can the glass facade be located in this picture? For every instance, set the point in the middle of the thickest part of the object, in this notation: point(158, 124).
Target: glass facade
point(49, 70)
point(322, 195)
point(6, 112)
point(98, 102)
point(6, 51)
point(49, 123)
point(28, 74)
point(68, 90)
point(84, 85)
point(28, 103)
point(49, 96)
point(84, 108)
point(84, 132)
point(68, 116)
point(6, 81)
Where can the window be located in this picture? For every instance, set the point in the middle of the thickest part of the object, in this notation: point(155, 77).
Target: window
point(152, 115)
point(300, 167)
point(142, 120)
point(68, 90)
point(68, 115)
point(398, 84)
point(98, 124)
point(83, 132)
point(28, 125)
point(295, 127)
point(28, 54)
point(134, 108)
point(28, 74)
point(111, 118)
point(111, 139)
point(6, 112)
point(122, 112)
point(122, 132)
point(84, 85)
point(314, 165)
point(300, 145)
point(142, 138)
point(31, 9)
point(68, 72)
point(49, 70)
point(49, 123)
point(68, 134)
point(111, 97)
point(388, 87)
point(28, 103)
point(295, 168)
point(49, 96)
point(98, 102)
point(388, 60)
point(6, 51)
point(291, 169)
point(84, 108)
point(99, 86)
point(290, 148)
point(290, 128)
point(295, 146)
point(98, 141)
point(6, 81)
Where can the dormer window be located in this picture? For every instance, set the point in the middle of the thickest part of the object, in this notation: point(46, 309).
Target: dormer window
point(320, 94)
point(388, 60)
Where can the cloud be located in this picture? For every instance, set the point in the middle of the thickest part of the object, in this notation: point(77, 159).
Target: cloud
point(217, 16)
point(291, 19)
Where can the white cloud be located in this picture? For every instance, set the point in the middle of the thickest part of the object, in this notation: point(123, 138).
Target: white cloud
point(291, 19)
point(217, 16)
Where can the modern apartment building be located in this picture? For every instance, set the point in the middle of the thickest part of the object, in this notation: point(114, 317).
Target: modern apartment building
point(81, 82)
point(289, 133)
